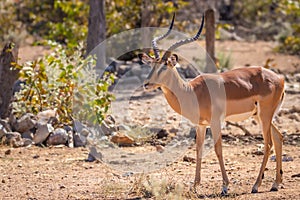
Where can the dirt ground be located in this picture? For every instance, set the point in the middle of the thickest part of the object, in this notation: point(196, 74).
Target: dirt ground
point(64, 173)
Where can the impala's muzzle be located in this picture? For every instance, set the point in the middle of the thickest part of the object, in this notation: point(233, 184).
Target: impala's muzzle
point(149, 86)
point(145, 86)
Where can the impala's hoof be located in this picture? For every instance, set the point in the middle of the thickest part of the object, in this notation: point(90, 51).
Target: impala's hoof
point(274, 189)
point(224, 191)
point(254, 190)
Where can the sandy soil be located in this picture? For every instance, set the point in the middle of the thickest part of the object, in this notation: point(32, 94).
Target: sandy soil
point(63, 173)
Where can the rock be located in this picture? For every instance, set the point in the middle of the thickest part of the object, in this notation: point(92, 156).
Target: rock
point(162, 134)
point(7, 152)
point(107, 128)
point(25, 123)
point(69, 130)
point(42, 132)
point(79, 140)
point(27, 142)
point(123, 127)
point(14, 139)
point(79, 127)
point(122, 139)
point(5, 123)
point(3, 131)
point(189, 159)
point(28, 134)
point(94, 155)
point(297, 77)
point(81, 132)
point(59, 136)
point(286, 158)
point(160, 148)
point(85, 132)
point(47, 117)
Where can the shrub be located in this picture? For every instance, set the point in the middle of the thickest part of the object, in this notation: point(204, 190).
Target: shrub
point(67, 83)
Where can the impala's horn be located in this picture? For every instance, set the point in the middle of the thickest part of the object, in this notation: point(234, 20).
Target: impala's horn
point(183, 42)
point(156, 39)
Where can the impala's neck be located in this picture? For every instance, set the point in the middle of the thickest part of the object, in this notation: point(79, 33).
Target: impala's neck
point(176, 90)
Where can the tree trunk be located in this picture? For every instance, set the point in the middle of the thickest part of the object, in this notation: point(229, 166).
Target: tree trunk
point(145, 22)
point(8, 77)
point(97, 30)
point(210, 41)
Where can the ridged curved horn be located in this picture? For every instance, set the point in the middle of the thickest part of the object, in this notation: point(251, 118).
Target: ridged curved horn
point(156, 39)
point(182, 42)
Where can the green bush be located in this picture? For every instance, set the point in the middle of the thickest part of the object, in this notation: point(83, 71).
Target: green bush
point(272, 18)
point(66, 83)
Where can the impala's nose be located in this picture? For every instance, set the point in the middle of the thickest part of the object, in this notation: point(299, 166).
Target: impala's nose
point(146, 84)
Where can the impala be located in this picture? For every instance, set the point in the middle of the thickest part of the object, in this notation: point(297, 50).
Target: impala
point(211, 99)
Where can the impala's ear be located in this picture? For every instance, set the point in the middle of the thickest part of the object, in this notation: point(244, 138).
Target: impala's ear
point(172, 60)
point(146, 59)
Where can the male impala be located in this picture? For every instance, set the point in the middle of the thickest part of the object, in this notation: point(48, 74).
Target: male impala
point(209, 99)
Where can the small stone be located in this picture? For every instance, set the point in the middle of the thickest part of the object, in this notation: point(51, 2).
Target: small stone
point(27, 142)
point(62, 187)
point(159, 148)
point(85, 132)
point(25, 123)
point(122, 139)
point(162, 134)
point(189, 159)
point(127, 174)
point(94, 155)
point(7, 152)
point(42, 132)
point(59, 136)
point(69, 130)
point(287, 159)
point(79, 140)
point(123, 127)
point(3, 131)
point(3, 181)
point(47, 117)
point(28, 134)
point(107, 128)
point(14, 139)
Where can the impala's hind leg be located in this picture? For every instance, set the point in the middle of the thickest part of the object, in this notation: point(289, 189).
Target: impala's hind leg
point(277, 141)
point(265, 118)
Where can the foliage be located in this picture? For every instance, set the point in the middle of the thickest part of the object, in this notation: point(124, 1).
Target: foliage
point(224, 61)
point(276, 16)
point(62, 21)
point(57, 81)
point(291, 43)
point(127, 14)
point(11, 29)
point(66, 21)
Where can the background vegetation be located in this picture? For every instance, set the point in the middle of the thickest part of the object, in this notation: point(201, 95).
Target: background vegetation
point(66, 22)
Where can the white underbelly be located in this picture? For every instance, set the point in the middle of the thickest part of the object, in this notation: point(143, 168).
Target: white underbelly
point(240, 117)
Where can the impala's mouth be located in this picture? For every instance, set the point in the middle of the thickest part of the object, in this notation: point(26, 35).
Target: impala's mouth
point(149, 86)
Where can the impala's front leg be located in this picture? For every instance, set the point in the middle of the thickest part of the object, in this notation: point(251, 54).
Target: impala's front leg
point(200, 136)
